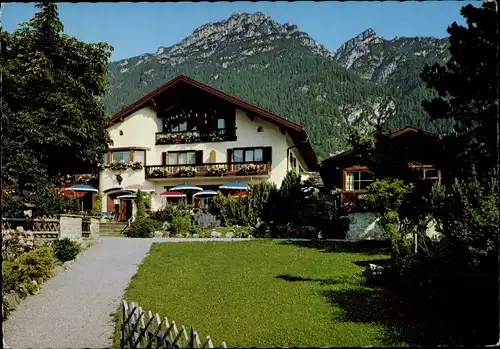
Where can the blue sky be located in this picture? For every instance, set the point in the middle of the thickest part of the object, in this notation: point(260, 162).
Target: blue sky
point(137, 28)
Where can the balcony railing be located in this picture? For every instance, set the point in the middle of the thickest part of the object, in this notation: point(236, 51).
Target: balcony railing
point(221, 135)
point(209, 170)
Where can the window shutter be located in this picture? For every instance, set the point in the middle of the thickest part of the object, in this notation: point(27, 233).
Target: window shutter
point(199, 157)
point(267, 154)
point(109, 157)
point(164, 158)
point(230, 155)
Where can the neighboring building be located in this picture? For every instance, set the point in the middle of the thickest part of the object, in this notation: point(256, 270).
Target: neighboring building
point(186, 131)
point(343, 172)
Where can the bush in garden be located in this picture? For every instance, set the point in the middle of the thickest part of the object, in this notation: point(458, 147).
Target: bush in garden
point(142, 228)
point(181, 224)
point(15, 242)
point(36, 265)
point(66, 249)
point(206, 220)
point(97, 205)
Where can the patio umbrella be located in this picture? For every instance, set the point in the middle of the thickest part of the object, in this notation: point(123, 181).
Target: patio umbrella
point(241, 194)
point(79, 188)
point(173, 194)
point(136, 187)
point(185, 186)
point(205, 194)
point(127, 197)
point(234, 186)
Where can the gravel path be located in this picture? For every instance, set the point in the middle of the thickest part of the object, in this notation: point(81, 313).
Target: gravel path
point(74, 308)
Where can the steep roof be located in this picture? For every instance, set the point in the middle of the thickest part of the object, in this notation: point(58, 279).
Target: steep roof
point(296, 131)
point(394, 134)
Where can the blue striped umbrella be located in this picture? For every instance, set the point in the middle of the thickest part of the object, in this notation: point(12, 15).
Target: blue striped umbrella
point(234, 185)
point(82, 187)
point(205, 193)
point(185, 186)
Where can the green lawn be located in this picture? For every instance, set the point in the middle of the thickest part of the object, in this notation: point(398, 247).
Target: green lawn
point(262, 293)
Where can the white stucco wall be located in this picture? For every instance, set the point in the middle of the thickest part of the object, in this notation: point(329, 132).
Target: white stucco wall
point(139, 130)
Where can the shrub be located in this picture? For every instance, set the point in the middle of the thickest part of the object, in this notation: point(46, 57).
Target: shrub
point(181, 224)
point(15, 242)
point(142, 228)
point(36, 265)
point(66, 249)
point(97, 207)
point(166, 214)
point(206, 220)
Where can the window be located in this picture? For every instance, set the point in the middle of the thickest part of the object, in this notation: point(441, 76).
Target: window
point(359, 180)
point(431, 174)
point(121, 156)
point(182, 158)
point(248, 155)
point(139, 156)
point(238, 156)
point(221, 124)
point(179, 126)
point(258, 155)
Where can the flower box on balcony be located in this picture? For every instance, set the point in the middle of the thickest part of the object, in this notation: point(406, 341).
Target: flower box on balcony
point(137, 165)
point(118, 166)
point(247, 169)
point(214, 171)
point(186, 172)
point(158, 173)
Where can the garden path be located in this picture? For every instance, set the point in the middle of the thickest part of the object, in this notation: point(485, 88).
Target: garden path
point(74, 308)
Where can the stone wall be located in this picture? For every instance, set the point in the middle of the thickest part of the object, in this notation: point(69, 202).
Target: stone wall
point(94, 228)
point(70, 227)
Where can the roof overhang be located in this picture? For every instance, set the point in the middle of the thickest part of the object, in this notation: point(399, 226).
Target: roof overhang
point(296, 131)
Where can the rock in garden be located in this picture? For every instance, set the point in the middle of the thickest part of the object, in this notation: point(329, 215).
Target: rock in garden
point(196, 236)
point(215, 234)
point(229, 235)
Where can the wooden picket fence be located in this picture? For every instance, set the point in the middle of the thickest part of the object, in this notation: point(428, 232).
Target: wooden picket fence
point(141, 330)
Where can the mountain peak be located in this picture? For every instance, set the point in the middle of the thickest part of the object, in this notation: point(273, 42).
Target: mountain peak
point(258, 32)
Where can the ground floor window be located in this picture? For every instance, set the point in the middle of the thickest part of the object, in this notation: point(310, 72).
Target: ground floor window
point(357, 180)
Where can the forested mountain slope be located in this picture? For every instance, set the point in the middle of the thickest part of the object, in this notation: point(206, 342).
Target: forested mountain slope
point(367, 81)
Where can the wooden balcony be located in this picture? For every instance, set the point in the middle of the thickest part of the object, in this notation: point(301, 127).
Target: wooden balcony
point(209, 170)
point(220, 135)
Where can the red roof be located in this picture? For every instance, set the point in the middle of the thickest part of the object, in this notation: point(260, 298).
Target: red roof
point(296, 131)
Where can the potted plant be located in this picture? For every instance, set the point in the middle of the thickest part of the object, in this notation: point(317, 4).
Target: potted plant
point(136, 165)
point(247, 169)
point(118, 166)
point(190, 137)
point(166, 138)
point(186, 172)
point(216, 171)
point(159, 173)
